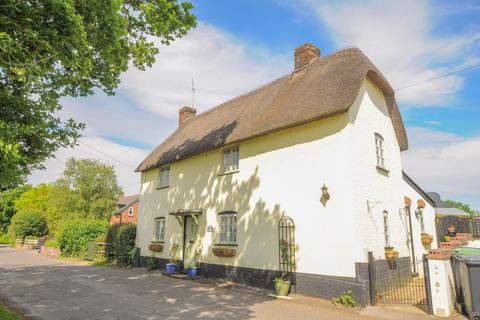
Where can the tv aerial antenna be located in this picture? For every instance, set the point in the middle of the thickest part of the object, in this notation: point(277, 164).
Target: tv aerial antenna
point(193, 93)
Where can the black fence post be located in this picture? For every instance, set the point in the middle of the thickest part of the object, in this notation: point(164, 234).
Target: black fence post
point(371, 279)
point(428, 289)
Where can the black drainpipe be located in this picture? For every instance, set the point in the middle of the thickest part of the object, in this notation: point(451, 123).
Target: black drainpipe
point(415, 273)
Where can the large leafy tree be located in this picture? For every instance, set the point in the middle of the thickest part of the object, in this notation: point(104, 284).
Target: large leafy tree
point(50, 201)
point(94, 187)
point(7, 205)
point(55, 48)
point(462, 206)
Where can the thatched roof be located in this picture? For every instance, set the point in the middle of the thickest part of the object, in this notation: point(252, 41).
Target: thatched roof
point(326, 87)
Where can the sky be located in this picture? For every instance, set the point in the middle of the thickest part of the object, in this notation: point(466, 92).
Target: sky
point(427, 50)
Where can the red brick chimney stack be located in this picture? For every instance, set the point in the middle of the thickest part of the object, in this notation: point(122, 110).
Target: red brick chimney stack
point(185, 114)
point(305, 54)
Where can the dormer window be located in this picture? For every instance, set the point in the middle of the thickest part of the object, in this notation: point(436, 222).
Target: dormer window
point(379, 147)
point(164, 177)
point(230, 159)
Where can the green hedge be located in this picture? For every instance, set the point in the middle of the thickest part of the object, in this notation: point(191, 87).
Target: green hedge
point(124, 245)
point(5, 238)
point(27, 223)
point(51, 244)
point(74, 236)
point(122, 240)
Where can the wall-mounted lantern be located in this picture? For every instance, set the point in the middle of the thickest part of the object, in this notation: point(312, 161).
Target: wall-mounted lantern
point(210, 228)
point(325, 195)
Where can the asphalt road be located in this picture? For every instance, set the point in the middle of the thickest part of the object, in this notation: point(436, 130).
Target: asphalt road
point(51, 289)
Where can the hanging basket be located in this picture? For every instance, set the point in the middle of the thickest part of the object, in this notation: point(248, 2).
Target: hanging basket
point(427, 239)
point(155, 247)
point(224, 252)
point(391, 254)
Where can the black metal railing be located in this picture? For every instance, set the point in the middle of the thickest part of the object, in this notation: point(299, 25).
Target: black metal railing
point(286, 248)
point(393, 283)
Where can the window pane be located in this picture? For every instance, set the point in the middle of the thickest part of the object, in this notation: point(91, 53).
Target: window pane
point(228, 228)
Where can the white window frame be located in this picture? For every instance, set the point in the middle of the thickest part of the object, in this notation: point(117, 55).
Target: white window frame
point(164, 177)
point(380, 150)
point(231, 159)
point(130, 212)
point(159, 227)
point(386, 228)
point(228, 227)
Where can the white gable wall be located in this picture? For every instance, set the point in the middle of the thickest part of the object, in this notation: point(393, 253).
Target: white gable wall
point(375, 191)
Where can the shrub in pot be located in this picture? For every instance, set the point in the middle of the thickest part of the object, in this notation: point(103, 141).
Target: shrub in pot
point(282, 286)
point(194, 270)
point(172, 265)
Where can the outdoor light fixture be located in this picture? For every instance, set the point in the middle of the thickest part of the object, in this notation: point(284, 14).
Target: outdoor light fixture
point(210, 228)
point(325, 195)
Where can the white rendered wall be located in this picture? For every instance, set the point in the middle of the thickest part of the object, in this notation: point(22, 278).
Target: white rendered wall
point(375, 191)
point(442, 287)
point(280, 174)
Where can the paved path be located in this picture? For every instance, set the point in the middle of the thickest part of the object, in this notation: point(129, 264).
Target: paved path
point(51, 289)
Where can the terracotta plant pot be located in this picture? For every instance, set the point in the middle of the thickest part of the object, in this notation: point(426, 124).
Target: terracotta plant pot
point(427, 239)
point(155, 247)
point(391, 254)
point(282, 288)
point(224, 252)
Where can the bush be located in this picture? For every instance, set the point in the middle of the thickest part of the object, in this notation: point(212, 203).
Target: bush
point(27, 223)
point(124, 245)
point(51, 244)
point(121, 238)
point(74, 236)
point(5, 238)
point(346, 299)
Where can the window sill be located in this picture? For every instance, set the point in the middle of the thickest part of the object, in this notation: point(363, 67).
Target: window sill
point(153, 241)
point(228, 172)
point(226, 244)
point(162, 187)
point(383, 170)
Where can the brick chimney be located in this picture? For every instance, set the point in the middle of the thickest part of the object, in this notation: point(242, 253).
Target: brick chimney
point(185, 114)
point(305, 54)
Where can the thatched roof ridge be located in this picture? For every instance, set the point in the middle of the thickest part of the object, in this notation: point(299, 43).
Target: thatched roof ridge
point(326, 87)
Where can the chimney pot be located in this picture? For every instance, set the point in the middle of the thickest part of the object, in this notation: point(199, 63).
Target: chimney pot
point(185, 114)
point(305, 54)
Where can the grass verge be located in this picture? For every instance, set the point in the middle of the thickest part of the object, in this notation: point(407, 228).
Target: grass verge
point(7, 314)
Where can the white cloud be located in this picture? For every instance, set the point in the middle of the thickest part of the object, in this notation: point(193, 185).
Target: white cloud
point(433, 122)
point(145, 110)
point(222, 67)
point(127, 160)
point(445, 163)
point(399, 38)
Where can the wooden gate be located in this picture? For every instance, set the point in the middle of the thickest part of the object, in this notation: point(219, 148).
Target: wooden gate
point(392, 282)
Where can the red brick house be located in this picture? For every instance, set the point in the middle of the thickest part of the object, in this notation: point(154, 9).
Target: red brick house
point(127, 210)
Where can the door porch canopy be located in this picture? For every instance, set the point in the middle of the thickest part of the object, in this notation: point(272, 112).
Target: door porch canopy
point(181, 213)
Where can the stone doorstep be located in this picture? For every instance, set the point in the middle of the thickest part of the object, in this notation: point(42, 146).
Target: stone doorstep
point(179, 275)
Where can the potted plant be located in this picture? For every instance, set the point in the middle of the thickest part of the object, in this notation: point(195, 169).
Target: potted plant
point(391, 253)
point(282, 284)
point(427, 239)
point(193, 270)
point(172, 265)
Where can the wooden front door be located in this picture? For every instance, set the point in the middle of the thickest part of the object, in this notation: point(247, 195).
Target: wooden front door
point(191, 242)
